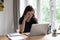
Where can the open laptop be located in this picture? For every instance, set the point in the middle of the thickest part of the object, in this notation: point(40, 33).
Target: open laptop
point(38, 29)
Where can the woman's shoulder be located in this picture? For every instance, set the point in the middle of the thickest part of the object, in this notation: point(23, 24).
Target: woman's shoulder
point(20, 20)
point(34, 20)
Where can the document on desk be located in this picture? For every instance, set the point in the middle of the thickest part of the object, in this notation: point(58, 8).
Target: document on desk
point(15, 36)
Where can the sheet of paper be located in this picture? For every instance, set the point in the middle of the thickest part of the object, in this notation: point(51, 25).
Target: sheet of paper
point(15, 36)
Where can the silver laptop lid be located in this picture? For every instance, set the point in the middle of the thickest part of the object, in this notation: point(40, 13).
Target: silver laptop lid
point(38, 29)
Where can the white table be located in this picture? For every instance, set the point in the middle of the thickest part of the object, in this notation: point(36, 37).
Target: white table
point(50, 37)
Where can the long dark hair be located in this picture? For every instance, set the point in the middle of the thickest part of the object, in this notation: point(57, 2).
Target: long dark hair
point(28, 8)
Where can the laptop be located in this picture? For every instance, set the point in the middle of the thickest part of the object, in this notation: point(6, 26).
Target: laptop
point(38, 29)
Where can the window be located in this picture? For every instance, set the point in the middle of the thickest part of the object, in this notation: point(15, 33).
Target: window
point(57, 11)
point(45, 11)
point(22, 6)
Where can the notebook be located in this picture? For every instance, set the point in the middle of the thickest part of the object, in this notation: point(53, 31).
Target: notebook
point(15, 36)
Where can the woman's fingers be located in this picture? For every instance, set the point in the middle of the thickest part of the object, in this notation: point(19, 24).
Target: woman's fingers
point(25, 18)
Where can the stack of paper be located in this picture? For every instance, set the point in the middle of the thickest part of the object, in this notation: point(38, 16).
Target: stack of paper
point(15, 36)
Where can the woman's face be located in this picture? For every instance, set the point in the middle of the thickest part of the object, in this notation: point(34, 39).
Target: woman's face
point(29, 14)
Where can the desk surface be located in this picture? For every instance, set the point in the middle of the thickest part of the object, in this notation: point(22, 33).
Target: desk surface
point(27, 38)
point(41, 37)
point(3, 38)
point(36, 38)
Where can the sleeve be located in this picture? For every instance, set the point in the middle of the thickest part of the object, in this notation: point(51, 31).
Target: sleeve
point(36, 21)
point(20, 21)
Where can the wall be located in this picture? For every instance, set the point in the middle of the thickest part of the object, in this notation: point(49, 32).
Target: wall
point(6, 18)
point(1, 22)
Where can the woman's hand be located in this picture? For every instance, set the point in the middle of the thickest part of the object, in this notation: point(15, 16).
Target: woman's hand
point(25, 18)
point(17, 30)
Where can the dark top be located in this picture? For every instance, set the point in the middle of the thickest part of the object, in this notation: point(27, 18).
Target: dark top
point(28, 24)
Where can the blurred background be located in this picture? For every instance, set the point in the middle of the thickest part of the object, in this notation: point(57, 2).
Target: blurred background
point(46, 11)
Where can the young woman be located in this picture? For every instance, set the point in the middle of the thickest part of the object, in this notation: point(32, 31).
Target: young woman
point(27, 19)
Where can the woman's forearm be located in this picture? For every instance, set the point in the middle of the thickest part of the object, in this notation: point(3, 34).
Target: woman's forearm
point(22, 26)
